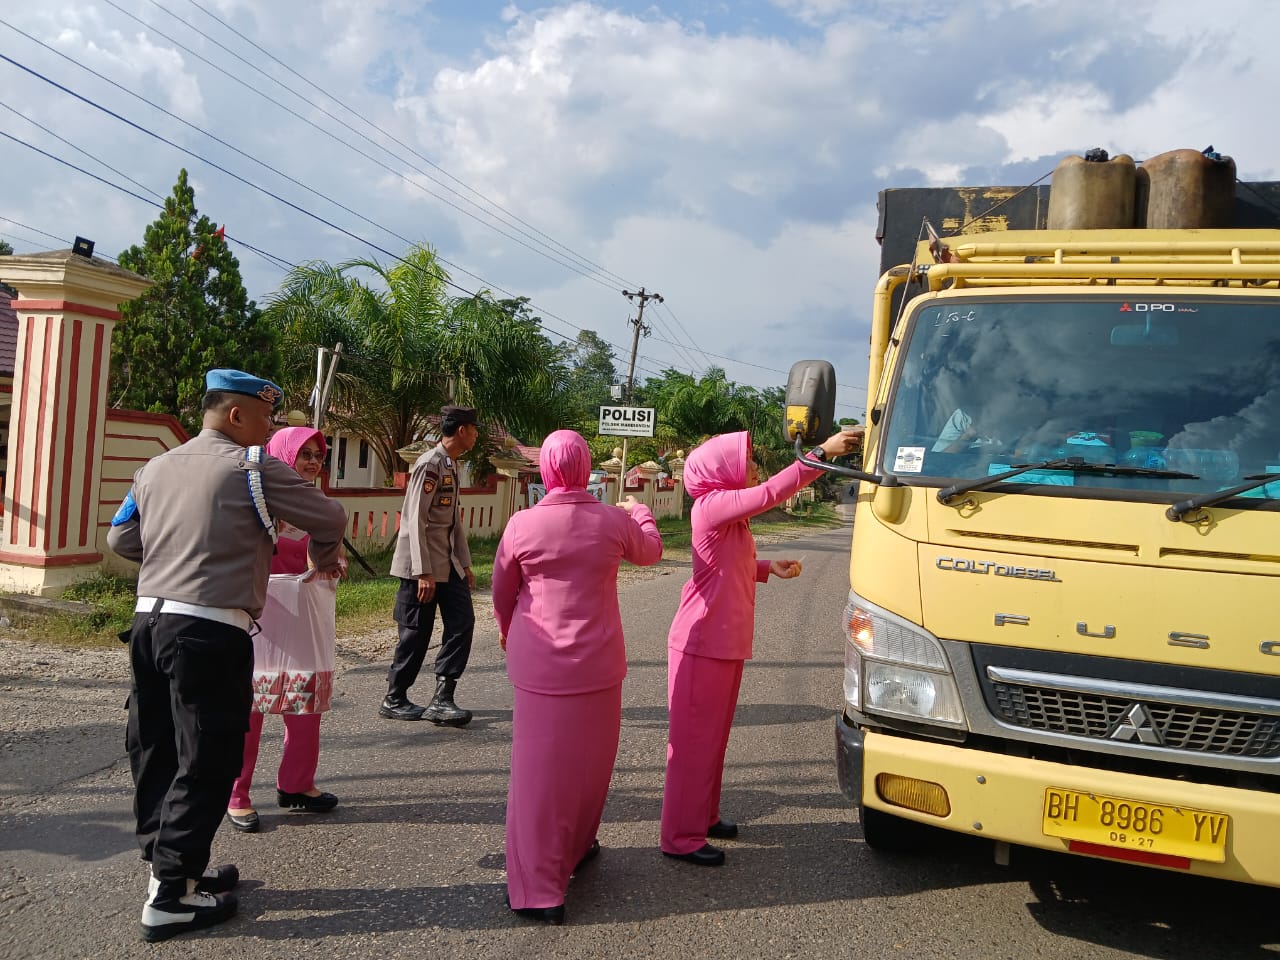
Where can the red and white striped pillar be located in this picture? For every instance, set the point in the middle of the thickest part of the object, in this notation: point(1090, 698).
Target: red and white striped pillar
point(67, 306)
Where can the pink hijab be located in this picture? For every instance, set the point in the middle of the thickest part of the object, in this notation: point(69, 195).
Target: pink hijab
point(285, 443)
point(565, 461)
point(291, 547)
point(718, 464)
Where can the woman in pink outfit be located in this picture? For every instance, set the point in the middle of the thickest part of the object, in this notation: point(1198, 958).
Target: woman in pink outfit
point(303, 448)
point(711, 635)
point(555, 595)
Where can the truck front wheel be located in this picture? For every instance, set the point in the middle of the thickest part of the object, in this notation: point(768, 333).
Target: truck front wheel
point(886, 833)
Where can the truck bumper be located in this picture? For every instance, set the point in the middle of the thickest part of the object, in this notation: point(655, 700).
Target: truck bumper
point(849, 740)
point(1003, 798)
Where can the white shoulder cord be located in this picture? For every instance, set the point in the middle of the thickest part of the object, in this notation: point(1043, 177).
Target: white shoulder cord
point(256, 493)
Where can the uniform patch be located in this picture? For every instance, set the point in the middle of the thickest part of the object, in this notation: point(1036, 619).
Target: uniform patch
point(445, 501)
point(447, 480)
point(128, 510)
point(428, 484)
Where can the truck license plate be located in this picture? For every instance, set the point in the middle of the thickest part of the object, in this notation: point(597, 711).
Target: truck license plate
point(1135, 824)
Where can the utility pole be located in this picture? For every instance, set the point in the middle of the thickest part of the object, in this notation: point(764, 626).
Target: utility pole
point(640, 328)
point(323, 388)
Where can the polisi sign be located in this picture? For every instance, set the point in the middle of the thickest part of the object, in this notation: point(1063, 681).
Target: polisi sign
point(626, 421)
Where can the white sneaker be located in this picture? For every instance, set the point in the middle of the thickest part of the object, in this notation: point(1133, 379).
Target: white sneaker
point(214, 880)
point(196, 910)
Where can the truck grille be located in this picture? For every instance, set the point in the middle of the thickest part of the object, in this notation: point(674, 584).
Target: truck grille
point(1174, 726)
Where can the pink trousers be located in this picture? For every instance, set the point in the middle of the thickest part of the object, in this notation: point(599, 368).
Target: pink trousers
point(702, 693)
point(297, 772)
point(562, 754)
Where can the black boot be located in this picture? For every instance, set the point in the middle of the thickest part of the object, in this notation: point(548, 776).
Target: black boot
point(442, 711)
point(396, 706)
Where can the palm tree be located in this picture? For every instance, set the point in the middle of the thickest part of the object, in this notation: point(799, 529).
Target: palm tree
point(409, 348)
point(694, 409)
point(503, 364)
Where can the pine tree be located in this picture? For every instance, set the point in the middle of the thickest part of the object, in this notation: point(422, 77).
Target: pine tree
point(196, 316)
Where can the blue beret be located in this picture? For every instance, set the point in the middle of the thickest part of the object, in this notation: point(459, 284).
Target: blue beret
point(237, 381)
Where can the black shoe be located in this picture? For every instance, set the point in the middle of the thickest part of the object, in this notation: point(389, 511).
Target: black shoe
point(722, 830)
point(248, 823)
point(551, 915)
point(705, 856)
point(593, 851)
point(400, 709)
point(442, 711)
point(319, 804)
point(196, 910)
point(219, 879)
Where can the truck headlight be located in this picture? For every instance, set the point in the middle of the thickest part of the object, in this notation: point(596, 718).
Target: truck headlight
point(894, 667)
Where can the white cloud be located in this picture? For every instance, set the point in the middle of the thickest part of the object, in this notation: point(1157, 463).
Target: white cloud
point(734, 168)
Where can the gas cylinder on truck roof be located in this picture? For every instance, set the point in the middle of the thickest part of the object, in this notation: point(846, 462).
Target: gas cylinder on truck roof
point(1186, 189)
point(1092, 192)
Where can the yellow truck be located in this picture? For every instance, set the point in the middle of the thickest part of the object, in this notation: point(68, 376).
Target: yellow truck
point(1066, 547)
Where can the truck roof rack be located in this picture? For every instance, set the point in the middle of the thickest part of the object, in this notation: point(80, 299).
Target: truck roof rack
point(1038, 257)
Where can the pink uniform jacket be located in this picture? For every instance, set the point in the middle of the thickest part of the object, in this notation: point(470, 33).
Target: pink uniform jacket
point(717, 612)
point(555, 578)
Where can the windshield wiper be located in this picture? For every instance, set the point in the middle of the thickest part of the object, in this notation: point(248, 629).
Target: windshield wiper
point(1176, 511)
point(1074, 464)
point(947, 494)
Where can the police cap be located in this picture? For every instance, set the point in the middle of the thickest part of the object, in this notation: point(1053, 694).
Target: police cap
point(237, 381)
point(453, 417)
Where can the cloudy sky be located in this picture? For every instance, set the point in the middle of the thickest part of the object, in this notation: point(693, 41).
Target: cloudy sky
point(725, 155)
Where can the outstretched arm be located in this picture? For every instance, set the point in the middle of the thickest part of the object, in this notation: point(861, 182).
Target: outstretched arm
point(643, 544)
point(723, 507)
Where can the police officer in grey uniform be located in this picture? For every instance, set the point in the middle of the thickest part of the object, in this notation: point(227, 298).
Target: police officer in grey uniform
point(433, 563)
point(201, 519)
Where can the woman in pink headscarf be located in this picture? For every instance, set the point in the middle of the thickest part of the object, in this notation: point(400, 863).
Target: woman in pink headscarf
point(303, 448)
point(710, 637)
point(555, 595)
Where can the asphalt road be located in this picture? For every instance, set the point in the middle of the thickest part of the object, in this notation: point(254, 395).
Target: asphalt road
point(411, 863)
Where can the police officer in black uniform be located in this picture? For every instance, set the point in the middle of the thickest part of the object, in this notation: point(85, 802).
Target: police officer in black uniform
point(201, 520)
point(433, 562)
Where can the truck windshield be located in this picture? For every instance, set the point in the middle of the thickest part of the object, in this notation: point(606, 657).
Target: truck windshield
point(1185, 389)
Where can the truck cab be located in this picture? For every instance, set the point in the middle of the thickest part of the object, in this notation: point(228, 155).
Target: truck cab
point(1059, 631)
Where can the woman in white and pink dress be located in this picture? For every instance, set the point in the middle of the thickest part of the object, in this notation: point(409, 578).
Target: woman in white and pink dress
point(302, 697)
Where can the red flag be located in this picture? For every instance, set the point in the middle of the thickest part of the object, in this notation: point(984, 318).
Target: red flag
point(220, 233)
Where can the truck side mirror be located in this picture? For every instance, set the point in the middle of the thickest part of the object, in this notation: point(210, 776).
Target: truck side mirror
point(811, 402)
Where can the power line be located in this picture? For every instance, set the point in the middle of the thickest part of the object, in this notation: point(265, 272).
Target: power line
point(82, 152)
point(681, 327)
point(493, 203)
point(596, 267)
point(270, 257)
point(567, 338)
point(748, 363)
point(115, 186)
point(25, 226)
point(214, 138)
point(200, 131)
point(688, 357)
point(24, 240)
point(543, 253)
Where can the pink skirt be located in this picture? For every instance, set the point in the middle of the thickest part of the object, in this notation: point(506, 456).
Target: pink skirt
point(562, 754)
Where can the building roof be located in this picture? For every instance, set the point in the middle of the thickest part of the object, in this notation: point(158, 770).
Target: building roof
point(8, 334)
point(70, 256)
point(531, 454)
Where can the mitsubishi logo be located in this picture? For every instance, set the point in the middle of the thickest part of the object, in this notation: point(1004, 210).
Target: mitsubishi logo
point(1137, 724)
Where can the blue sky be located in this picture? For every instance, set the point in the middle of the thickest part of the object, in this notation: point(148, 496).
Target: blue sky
point(726, 155)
